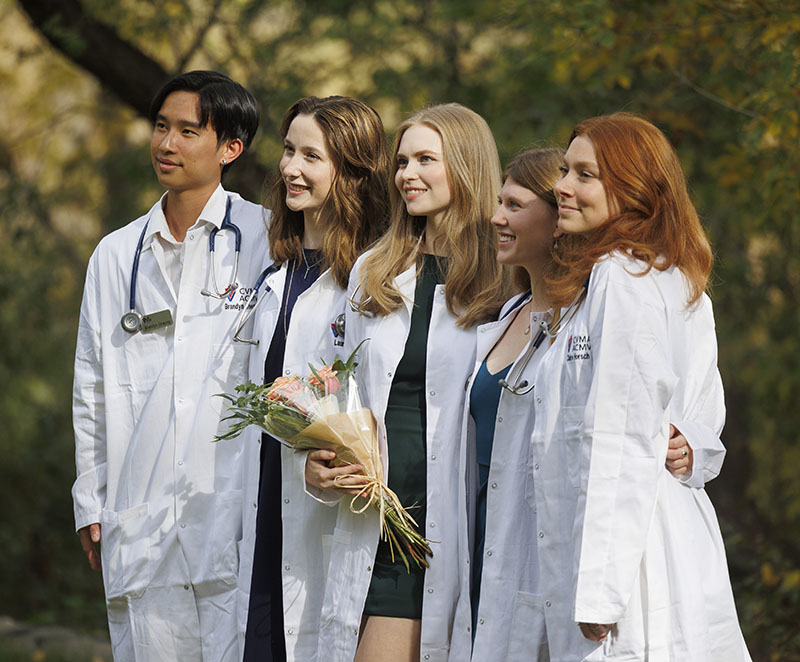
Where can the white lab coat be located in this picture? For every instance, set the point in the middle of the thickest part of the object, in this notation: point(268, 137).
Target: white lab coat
point(145, 414)
point(619, 540)
point(450, 353)
point(511, 622)
point(306, 521)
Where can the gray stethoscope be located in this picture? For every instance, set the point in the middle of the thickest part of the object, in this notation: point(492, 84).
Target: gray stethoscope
point(247, 312)
point(545, 331)
point(132, 321)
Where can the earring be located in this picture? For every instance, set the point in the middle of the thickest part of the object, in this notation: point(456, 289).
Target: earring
point(224, 161)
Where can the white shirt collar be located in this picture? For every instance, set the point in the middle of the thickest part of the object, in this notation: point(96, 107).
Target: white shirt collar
point(213, 213)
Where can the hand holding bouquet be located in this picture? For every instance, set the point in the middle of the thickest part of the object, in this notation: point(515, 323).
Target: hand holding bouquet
point(324, 411)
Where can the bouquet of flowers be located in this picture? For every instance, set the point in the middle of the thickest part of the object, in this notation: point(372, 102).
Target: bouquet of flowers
point(324, 411)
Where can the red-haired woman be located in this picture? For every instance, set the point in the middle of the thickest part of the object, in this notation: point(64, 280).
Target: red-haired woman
point(632, 555)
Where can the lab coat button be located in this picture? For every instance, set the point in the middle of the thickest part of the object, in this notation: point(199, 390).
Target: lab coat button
point(369, 568)
point(433, 525)
point(494, 486)
point(389, 375)
point(433, 456)
point(547, 603)
point(255, 505)
point(489, 553)
point(499, 419)
point(481, 621)
point(287, 372)
point(355, 631)
point(430, 590)
point(541, 534)
point(427, 656)
point(180, 463)
point(287, 500)
point(539, 400)
point(290, 631)
point(536, 466)
point(433, 393)
point(191, 237)
point(183, 526)
point(287, 568)
point(186, 587)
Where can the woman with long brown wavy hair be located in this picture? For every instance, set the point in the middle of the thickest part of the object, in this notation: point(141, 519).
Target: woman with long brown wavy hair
point(418, 296)
point(329, 203)
point(633, 556)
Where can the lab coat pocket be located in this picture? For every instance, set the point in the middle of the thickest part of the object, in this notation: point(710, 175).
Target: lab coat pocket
point(527, 629)
point(571, 432)
point(227, 535)
point(126, 541)
point(145, 358)
point(340, 575)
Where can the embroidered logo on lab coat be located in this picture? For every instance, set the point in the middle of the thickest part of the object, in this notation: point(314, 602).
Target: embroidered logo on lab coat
point(579, 348)
point(245, 296)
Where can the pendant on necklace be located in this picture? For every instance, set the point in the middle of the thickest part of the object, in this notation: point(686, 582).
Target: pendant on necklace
point(527, 330)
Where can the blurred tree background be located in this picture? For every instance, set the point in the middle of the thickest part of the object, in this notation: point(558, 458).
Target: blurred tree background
point(720, 77)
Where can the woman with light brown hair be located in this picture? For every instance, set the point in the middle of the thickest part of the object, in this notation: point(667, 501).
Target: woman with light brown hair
point(329, 203)
point(633, 556)
point(418, 296)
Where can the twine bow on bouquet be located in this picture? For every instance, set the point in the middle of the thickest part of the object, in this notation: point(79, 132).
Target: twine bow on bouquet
point(323, 410)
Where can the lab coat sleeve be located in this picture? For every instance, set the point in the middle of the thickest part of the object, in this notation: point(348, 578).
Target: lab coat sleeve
point(327, 497)
point(704, 403)
point(624, 440)
point(88, 408)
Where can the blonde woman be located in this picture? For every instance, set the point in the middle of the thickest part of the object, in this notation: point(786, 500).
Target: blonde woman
point(418, 296)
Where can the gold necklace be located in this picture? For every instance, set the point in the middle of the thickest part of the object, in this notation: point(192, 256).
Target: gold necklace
point(305, 261)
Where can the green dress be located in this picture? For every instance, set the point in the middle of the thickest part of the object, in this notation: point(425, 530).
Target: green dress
point(393, 590)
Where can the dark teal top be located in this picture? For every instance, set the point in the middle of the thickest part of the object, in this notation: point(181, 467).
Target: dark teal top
point(394, 591)
point(483, 402)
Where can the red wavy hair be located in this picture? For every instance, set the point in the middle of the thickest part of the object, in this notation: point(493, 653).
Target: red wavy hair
point(653, 218)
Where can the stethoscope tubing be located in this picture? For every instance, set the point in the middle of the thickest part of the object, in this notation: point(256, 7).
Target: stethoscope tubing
point(127, 318)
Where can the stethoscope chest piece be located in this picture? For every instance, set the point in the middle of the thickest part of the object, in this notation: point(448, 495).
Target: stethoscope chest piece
point(131, 321)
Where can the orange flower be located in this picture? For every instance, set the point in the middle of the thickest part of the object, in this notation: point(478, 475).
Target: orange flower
point(286, 388)
point(328, 375)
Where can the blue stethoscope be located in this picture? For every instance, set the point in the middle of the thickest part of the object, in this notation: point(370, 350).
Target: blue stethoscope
point(132, 320)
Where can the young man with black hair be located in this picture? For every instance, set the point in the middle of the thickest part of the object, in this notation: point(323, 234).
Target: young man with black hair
point(155, 346)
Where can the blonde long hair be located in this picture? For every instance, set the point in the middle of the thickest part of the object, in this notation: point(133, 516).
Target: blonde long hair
point(474, 284)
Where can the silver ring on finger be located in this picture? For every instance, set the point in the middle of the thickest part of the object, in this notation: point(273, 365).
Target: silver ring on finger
point(685, 452)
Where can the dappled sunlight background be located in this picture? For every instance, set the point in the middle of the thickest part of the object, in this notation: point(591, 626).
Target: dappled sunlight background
point(721, 78)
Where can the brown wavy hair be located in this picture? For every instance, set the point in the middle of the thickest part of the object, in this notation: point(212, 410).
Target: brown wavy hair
point(474, 284)
point(652, 219)
point(357, 206)
point(537, 170)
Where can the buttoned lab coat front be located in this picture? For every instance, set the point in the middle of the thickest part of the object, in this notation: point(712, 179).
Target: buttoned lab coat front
point(511, 618)
point(449, 356)
point(510, 623)
point(307, 523)
point(620, 540)
point(145, 414)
